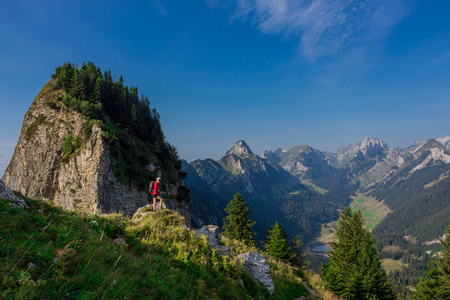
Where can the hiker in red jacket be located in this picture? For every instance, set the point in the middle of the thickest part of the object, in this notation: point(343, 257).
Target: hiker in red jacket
point(155, 192)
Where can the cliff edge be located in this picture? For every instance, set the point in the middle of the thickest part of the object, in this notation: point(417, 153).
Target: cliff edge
point(73, 151)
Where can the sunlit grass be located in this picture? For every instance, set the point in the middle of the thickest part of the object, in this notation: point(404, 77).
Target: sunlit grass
point(47, 252)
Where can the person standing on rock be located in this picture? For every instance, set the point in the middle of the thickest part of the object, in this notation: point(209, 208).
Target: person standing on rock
point(156, 193)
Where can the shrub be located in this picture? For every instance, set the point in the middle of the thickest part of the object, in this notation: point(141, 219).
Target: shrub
point(31, 130)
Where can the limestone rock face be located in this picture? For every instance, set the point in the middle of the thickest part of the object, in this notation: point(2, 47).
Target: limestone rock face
point(300, 160)
point(86, 181)
point(6, 193)
point(258, 268)
point(445, 141)
point(240, 148)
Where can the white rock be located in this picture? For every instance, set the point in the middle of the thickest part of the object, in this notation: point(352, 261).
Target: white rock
point(212, 233)
point(6, 193)
point(258, 268)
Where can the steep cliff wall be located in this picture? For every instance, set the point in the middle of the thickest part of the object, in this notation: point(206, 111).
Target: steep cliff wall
point(79, 178)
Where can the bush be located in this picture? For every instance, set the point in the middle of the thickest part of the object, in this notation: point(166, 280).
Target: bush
point(70, 145)
point(31, 130)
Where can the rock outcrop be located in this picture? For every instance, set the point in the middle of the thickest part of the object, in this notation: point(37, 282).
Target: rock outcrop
point(85, 180)
point(214, 238)
point(258, 268)
point(6, 193)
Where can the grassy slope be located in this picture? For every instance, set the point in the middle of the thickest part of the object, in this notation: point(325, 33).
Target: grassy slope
point(74, 257)
point(373, 210)
point(390, 265)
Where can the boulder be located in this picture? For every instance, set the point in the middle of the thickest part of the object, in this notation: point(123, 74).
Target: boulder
point(213, 238)
point(143, 211)
point(6, 193)
point(223, 250)
point(212, 233)
point(258, 268)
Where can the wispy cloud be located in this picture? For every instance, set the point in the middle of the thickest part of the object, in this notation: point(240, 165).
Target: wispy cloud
point(323, 27)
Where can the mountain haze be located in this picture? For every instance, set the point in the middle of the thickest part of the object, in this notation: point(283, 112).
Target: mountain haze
point(273, 194)
point(309, 186)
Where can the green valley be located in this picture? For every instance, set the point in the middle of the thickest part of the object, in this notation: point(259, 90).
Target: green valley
point(373, 210)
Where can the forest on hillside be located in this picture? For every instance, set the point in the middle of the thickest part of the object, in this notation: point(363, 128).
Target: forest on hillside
point(131, 127)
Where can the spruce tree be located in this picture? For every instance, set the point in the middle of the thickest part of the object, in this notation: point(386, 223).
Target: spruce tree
point(444, 261)
point(237, 225)
point(354, 270)
point(299, 258)
point(277, 245)
point(435, 284)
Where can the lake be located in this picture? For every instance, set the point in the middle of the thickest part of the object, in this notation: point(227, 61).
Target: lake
point(320, 248)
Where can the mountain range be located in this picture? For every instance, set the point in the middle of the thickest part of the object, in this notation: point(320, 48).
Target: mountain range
point(273, 193)
point(304, 188)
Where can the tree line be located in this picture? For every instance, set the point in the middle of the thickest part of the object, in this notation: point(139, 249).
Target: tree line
point(354, 269)
point(131, 127)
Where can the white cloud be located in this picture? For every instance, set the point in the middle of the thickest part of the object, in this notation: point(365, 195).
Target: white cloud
point(323, 27)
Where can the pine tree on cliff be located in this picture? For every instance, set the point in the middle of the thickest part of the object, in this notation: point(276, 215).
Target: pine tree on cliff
point(276, 244)
point(354, 270)
point(237, 225)
point(435, 284)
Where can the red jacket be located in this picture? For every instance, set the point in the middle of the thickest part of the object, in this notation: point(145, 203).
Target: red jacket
point(155, 190)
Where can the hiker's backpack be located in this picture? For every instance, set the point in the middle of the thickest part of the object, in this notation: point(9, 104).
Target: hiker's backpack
point(151, 187)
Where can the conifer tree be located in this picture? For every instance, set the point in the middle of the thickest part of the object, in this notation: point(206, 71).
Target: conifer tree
point(354, 270)
point(435, 284)
point(277, 245)
point(237, 225)
point(445, 258)
point(299, 258)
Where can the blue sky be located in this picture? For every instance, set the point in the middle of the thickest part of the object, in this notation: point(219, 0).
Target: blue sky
point(274, 73)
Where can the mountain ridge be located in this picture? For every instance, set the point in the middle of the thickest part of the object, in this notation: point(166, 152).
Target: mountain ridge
point(273, 193)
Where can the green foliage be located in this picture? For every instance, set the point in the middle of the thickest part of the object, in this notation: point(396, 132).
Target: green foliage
point(87, 127)
point(34, 126)
point(131, 127)
point(70, 145)
point(288, 283)
point(237, 225)
point(444, 261)
point(74, 257)
point(435, 283)
point(277, 245)
point(354, 270)
point(299, 258)
point(420, 215)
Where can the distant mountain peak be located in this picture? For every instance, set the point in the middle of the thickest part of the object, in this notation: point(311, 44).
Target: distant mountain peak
point(445, 141)
point(240, 148)
point(373, 142)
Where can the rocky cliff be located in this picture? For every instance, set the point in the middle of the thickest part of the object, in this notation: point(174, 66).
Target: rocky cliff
point(302, 161)
point(64, 157)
